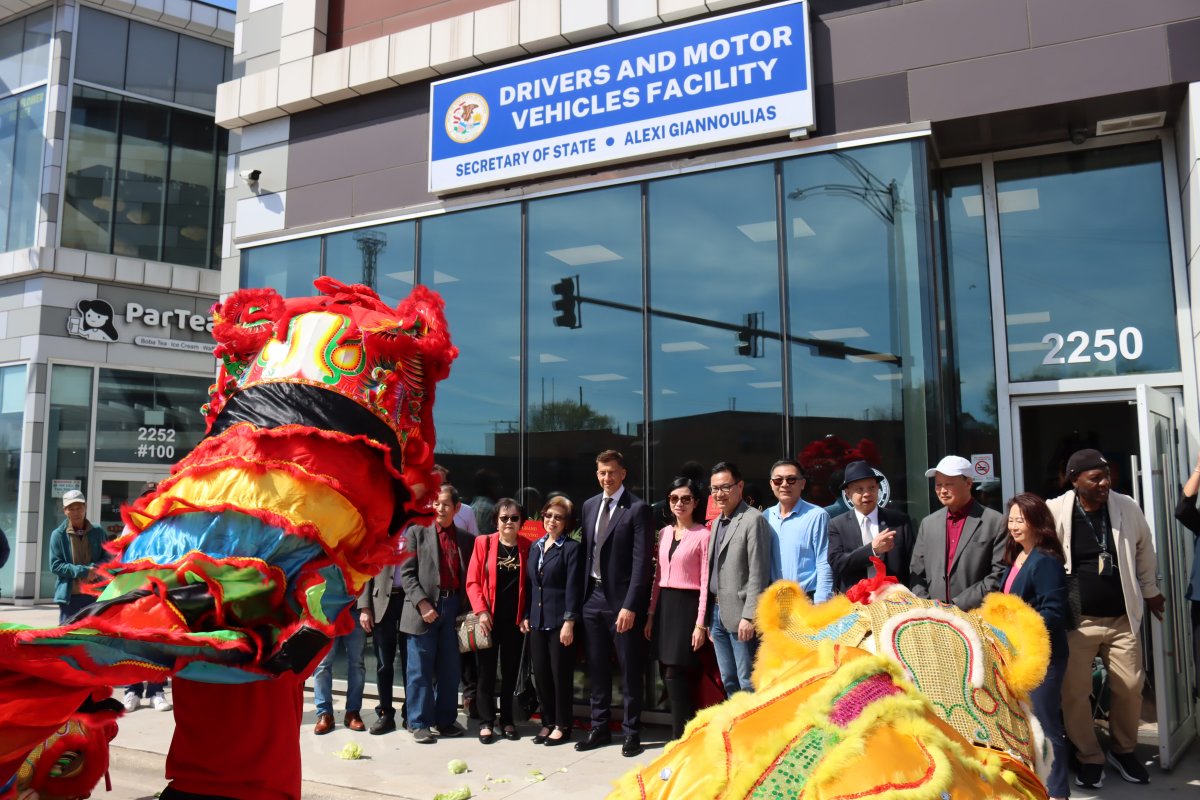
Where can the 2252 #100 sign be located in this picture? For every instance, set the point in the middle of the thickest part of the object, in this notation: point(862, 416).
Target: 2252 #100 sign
point(732, 78)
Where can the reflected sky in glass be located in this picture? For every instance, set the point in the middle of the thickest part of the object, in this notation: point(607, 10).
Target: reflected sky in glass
point(478, 407)
point(380, 257)
point(288, 267)
point(1085, 249)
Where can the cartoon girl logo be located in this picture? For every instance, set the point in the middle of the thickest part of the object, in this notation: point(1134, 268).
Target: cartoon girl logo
point(93, 320)
point(467, 118)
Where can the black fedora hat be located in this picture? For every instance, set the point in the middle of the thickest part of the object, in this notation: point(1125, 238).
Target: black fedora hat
point(857, 471)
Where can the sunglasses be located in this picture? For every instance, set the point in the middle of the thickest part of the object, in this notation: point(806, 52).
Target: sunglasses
point(780, 480)
point(554, 517)
point(504, 519)
point(686, 498)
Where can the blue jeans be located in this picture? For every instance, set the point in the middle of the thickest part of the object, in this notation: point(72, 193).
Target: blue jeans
point(352, 644)
point(734, 657)
point(433, 671)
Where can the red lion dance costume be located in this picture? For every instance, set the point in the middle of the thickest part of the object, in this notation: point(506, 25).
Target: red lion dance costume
point(238, 571)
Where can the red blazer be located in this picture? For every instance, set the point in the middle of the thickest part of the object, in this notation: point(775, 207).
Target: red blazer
point(481, 575)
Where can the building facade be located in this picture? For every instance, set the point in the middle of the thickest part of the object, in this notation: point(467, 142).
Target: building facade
point(112, 173)
point(979, 237)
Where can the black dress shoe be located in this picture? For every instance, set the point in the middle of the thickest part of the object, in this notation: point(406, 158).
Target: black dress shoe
point(566, 737)
point(541, 737)
point(632, 746)
point(595, 738)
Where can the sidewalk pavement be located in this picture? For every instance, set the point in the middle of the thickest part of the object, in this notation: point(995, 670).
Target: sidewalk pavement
point(395, 766)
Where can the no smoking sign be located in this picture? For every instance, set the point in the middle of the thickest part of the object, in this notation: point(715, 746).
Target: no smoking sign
point(984, 466)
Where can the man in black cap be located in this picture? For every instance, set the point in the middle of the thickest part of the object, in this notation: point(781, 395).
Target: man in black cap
point(1110, 559)
point(868, 530)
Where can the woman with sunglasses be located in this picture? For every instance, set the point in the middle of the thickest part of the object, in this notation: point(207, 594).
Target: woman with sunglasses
point(1036, 574)
point(496, 589)
point(679, 598)
point(555, 588)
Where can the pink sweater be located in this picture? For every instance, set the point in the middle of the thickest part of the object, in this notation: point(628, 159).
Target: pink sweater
point(688, 569)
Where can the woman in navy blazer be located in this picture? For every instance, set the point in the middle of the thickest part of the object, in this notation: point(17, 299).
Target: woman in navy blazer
point(1036, 575)
point(555, 591)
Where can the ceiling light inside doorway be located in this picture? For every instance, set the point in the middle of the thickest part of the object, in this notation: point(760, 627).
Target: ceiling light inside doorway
point(580, 256)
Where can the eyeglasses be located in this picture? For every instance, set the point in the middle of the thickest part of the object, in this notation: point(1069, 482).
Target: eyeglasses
point(681, 499)
point(554, 517)
point(506, 519)
point(780, 480)
point(726, 489)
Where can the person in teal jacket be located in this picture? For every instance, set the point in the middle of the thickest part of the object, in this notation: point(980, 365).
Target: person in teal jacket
point(76, 549)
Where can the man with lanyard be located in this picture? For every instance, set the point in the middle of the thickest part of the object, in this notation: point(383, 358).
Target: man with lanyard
point(800, 550)
point(1110, 559)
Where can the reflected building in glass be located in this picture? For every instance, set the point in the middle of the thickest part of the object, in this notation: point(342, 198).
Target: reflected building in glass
point(113, 177)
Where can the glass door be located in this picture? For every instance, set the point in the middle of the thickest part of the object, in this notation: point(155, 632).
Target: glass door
point(119, 487)
point(1174, 667)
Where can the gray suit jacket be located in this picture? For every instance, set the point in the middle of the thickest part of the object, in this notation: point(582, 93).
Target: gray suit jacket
point(978, 565)
point(421, 575)
point(378, 592)
point(743, 564)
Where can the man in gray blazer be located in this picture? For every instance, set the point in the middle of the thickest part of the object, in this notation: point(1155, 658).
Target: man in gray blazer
point(379, 609)
point(739, 568)
point(433, 574)
point(959, 554)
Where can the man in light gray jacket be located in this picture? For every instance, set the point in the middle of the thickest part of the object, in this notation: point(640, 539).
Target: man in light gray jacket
point(1110, 559)
point(739, 553)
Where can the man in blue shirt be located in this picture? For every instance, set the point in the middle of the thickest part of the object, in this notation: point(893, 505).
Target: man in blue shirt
point(800, 551)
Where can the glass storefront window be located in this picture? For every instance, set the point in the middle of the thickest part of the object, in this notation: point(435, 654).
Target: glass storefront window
point(971, 363)
point(1088, 285)
point(854, 223)
point(21, 144)
point(288, 267)
point(143, 180)
point(584, 384)
point(68, 445)
point(478, 410)
point(148, 417)
point(12, 420)
point(25, 50)
point(714, 269)
point(380, 257)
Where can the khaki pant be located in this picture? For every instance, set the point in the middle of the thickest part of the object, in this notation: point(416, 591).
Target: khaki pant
point(1117, 644)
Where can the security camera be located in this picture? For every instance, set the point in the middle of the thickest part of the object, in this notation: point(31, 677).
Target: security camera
point(251, 176)
point(1079, 135)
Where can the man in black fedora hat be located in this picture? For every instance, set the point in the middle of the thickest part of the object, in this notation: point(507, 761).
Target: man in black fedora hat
point(868, 530)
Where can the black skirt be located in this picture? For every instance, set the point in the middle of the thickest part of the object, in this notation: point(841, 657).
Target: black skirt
point(675, 619)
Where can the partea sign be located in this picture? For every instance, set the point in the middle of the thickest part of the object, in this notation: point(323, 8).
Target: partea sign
point(732, 78)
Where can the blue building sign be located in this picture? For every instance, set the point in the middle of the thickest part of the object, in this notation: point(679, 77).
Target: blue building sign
point(732, 78)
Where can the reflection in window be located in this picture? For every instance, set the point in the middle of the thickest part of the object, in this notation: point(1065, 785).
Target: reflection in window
point(478, 407)
point(147, 60)
point(855, 272)
point(584, 383)
point(25, 50)
point(68, 439)
point(379, 257)
point(12, 418)
point(972, 359)
point(143, 180)
point(148, 417)
point(289, 267)
point(714, 283)
point(21, 158)
point(1088, 285)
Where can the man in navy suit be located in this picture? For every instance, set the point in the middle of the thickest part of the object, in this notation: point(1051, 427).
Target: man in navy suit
point(869, 530)
point(618, 534)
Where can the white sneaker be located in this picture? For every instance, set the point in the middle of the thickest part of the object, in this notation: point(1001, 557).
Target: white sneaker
point(160, 702)
point(131, 701)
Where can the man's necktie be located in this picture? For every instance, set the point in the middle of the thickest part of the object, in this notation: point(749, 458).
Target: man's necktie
point(867, 539)
point(603, 524)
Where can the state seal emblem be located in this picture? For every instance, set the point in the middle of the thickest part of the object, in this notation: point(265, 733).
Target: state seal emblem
point(467, 118)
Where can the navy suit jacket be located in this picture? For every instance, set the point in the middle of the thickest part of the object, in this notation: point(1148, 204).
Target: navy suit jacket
point(626, 561)
point(849, 558)
point(556, 594)
point(1042, 583)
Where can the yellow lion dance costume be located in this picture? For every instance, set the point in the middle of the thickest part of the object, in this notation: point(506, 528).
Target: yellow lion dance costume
point(890, 697)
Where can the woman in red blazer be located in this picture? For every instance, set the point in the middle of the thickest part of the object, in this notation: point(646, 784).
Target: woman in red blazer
point(496, 589)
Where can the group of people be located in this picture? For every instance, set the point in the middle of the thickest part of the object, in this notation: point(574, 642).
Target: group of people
point(1083, 560)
